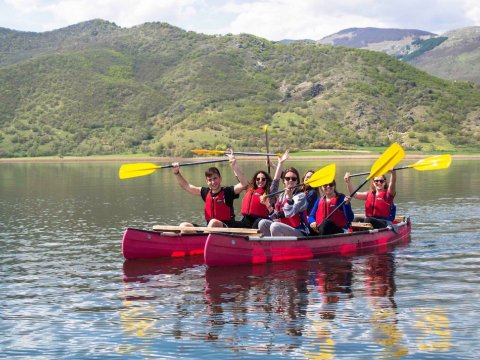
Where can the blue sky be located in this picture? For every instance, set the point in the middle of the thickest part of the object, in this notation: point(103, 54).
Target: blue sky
point(271, 19)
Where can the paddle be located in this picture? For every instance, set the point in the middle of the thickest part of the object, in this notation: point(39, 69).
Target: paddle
point(141, 169)
point(265, 128)
point(320, 177)
point(205, 229)
point(432, 163)
point(223, 152)
point(391, 157)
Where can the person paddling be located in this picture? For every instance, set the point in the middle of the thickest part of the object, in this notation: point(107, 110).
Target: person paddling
point(339, 222)
point(254, 206)
point(218, 210)
point(379, 206)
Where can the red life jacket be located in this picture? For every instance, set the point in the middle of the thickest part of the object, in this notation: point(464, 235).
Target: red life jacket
point(378, 204)
point(216, 208)
point(296, 221)
point(325, 208)
point(251, 204)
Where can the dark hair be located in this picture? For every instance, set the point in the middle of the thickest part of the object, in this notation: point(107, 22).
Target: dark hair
point(334, 184)
point(295, 171)
point(212, 171)
point(306, 187)
point(253, 182)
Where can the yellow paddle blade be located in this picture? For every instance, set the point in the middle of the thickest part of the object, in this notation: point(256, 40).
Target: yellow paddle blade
point(128, 171)
point(208, 152)
point(322, 177)
point(433, 163)
point(265, 128)
point(391, 157)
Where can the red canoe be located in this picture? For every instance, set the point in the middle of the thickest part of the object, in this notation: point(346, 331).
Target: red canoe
point(145, 244)
point(227, 250)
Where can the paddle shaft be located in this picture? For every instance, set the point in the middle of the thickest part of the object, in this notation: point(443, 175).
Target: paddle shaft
point(268, 149)
point(197, 163)
point(343, 202)
point(281, 191)
point(368, 173)
point(206, 229)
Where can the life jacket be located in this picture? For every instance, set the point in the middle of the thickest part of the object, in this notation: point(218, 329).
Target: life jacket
point(297, 221)
point(217, 208)
point(251, 204)
point(325, 208)
point(379, 205)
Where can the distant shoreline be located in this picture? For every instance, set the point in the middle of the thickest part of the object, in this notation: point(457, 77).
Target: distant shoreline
point(132, 159)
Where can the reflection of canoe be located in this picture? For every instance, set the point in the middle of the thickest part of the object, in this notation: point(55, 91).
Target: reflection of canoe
point(144, 244)
point(142, 270)
point(226, 250)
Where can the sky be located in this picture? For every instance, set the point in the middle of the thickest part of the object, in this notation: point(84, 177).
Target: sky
point(271, 19)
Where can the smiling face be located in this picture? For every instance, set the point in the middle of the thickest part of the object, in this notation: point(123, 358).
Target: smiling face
point(214, 182)
point(329, 189)
point(290, 179)
point(307, 176)
point(379, 183)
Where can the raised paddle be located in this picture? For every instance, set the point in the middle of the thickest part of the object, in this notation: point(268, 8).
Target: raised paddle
point(432, 163)
point(223, 152)
point(128, 171)
point(265, 128)
point(320, 177)
point(391, 157)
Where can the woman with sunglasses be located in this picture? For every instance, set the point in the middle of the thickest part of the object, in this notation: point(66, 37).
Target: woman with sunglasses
point(379, 206)
point(261, 184)
point(252, 209)
point(288, 217)
point(339, 221)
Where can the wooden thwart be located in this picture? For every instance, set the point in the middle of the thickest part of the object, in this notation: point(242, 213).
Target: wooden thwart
point(361, 226)
point(205, 229)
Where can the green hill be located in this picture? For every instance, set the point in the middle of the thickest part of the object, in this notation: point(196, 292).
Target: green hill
point(96, 88)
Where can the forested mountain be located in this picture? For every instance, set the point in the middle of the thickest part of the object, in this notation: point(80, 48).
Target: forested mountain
point(454, 55)
point(96, 88)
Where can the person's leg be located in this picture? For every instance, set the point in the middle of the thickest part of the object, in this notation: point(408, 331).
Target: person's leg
point(377, 223)
point(264, 227)
point(280, 229)
point(215, 223)
point(329, 227)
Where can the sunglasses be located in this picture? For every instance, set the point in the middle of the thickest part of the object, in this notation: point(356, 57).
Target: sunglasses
point(261, 179)
point(329, 185)
point(291, 178)
point(381, 181)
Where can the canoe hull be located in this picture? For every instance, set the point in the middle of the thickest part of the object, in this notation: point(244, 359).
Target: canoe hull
point(144, 244)
point(229, 250)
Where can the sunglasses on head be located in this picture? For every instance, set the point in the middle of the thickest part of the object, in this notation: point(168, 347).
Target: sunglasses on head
point(381, 181)
point(329, 185)
point(261, 179)
point(291, 178)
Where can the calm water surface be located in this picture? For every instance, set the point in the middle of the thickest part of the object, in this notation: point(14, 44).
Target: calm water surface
point(66, 291)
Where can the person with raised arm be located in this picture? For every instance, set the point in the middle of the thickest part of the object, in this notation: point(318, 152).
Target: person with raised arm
point(379, 206)
point(219, 210)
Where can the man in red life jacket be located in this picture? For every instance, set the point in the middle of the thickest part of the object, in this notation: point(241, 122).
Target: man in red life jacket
point(219, 210)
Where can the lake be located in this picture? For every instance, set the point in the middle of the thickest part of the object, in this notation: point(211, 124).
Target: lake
point(67, 292)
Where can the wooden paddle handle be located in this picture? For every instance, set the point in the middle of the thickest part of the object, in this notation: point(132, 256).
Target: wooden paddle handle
point(206, 229)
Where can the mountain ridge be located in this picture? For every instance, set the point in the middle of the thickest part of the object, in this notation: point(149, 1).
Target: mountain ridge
point(95, 88)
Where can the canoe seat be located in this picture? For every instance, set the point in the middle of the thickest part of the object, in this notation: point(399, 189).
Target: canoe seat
point(360, 226)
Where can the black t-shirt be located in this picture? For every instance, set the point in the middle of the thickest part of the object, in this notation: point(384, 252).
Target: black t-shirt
point(229, 194)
